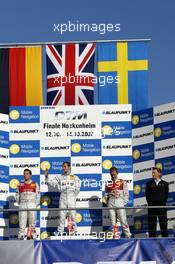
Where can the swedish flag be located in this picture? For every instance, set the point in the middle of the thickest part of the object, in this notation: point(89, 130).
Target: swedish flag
point(124, 67)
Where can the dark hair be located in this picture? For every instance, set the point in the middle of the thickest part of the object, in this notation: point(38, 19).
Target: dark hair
point(157, 169)
point(113, 168)
point(66, 162)
point(30, 172)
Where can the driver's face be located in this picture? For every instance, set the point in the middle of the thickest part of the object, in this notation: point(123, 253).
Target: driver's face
point(27, 175)
point(66, 168)
point(113, 174)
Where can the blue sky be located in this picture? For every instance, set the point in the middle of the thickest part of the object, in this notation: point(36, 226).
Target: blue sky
point(33, 21)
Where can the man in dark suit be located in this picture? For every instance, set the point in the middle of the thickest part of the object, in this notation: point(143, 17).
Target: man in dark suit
point(156, 195)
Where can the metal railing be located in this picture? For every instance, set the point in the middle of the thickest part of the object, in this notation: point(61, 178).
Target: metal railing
point(137, 219)
point(85, 208)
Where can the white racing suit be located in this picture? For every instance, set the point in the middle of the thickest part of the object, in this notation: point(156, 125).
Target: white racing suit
point(118, 195)
point(27, 196)
point(69, 186)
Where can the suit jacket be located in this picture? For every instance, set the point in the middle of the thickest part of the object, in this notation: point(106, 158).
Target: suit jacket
point(157, 194)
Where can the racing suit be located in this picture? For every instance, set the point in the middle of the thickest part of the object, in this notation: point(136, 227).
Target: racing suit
point(27, 196)
point(118, 195)
point(69, 186)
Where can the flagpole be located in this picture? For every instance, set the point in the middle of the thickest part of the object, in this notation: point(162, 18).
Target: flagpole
point(4, 45)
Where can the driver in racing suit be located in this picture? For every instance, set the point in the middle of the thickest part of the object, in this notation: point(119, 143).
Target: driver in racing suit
point(69, 187)
point(28, 197)
point(117, 196)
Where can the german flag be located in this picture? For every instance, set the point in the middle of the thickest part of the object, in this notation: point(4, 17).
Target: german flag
point(20, 77)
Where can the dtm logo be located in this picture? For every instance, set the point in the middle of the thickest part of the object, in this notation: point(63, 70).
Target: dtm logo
point(14, 114)
point(70, 115)
point(76, 147)
point(14, 149)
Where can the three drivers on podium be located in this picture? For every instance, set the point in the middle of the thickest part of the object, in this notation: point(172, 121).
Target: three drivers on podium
point(28, 197)
point(117, 195)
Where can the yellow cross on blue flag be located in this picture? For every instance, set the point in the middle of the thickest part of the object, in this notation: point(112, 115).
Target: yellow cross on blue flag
point(124, 67)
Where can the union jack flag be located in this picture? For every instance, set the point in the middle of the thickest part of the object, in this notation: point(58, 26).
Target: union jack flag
point(70, 73)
